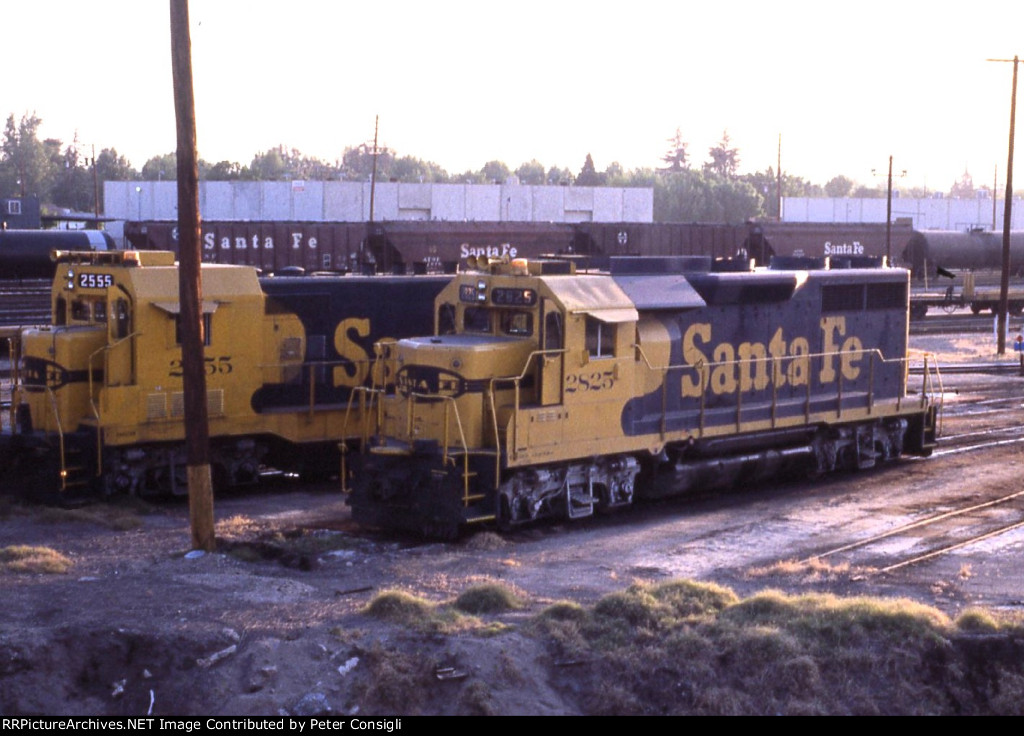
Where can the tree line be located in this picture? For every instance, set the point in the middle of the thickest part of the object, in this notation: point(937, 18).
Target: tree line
point(68, 176)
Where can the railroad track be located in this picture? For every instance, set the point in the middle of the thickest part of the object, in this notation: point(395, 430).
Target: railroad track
point(946, 324)
point(943, 532)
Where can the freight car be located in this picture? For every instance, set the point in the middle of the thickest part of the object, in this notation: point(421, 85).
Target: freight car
point(97, 403)
point(25, 254)
point(972, 250)
point(436, 246)
point(545, 393)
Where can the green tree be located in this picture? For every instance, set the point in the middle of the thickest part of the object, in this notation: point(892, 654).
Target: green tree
point(357, 163)
point(675, 159)
point(559, 176)
point(269, 166)
point(112, 166)
point(531, 172)
point(864, 192)
point(839, 186)
point(411, 169)
point(588, 176)
point(692, 196)
point(225, 171)
point(963, 188)
point(73, 187)
point(725, 159)
point(614, 175)
point(495, 172)
point(161, 168)
point(25, 166)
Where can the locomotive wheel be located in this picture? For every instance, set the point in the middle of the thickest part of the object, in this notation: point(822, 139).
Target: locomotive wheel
point(975, 309)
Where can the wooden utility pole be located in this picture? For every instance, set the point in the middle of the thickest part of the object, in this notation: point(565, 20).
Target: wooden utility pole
point(190, 290)
point(778, 187)
point(1004, 280)
point(373, 175)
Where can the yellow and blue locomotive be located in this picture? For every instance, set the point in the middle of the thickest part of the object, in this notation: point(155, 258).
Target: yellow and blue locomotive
point(549, 393)
point(97, 399)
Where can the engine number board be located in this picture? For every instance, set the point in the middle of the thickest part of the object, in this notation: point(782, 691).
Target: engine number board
point(90, 280)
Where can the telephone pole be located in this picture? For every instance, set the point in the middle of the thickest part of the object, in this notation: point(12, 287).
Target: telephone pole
point(1004, 279)
point(190, 290)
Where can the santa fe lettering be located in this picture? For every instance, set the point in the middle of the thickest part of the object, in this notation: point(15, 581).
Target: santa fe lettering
point(750, 366)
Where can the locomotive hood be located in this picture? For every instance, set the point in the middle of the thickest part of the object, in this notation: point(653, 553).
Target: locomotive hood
point(455, 364)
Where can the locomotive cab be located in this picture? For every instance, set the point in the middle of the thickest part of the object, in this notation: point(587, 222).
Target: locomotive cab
point(100, 388)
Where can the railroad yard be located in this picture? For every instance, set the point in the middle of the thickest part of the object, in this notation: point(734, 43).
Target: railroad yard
point(270, 624)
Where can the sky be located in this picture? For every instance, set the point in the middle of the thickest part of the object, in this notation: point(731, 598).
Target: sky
point(843, 86)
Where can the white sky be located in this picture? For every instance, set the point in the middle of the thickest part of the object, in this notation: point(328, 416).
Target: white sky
point(461, 83)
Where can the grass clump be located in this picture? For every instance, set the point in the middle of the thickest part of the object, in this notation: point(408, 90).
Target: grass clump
point(400, 607)
point(489, 598)
point(687, 648)
point(977, 621)
point(28, 560)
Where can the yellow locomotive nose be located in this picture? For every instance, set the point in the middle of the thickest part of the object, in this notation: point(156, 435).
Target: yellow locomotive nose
point(453, 388)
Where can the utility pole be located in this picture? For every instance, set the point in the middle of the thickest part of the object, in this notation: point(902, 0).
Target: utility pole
point(95, 187)
point(888, 212)
point(373, 175)
point(190, 291)
point(778, 174)
point(1004, 279)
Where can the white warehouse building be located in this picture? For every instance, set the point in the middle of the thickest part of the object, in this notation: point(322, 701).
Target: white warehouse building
point(342, 201)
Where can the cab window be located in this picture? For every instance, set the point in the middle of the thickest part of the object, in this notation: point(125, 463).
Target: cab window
point(80, 310)
point(519, 324)
point(553, 331)
point(600, 338)
point(476, 319)
point(446, 319)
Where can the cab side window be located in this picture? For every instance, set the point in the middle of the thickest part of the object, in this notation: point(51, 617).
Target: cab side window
point(553, 331)
point(122, 319)
point(600, 338)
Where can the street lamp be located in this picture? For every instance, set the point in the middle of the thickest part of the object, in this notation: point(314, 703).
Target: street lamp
point(138, 200)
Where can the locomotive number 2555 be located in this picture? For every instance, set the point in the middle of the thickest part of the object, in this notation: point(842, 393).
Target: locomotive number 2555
point(95, 280)
point(213, 366)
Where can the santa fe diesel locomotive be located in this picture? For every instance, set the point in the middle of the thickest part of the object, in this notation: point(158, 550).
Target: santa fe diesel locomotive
point(97, 399)
point(549, 393)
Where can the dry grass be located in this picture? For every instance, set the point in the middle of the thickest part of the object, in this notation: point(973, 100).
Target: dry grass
point(459, 615)
point(814, 570)
point(120, 517)
point(33, 560)
point(690, 648)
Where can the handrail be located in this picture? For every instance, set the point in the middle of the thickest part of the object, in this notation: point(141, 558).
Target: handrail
point(703, 369)
point(57, 422)
point(96, 411)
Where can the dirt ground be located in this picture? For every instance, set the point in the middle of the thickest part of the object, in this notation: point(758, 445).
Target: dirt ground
point(274, 622)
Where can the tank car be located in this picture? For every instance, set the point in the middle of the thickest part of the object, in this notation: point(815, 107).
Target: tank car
point(971, 250)
point(549, 393)
point(97, 398)
point(25, 254)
